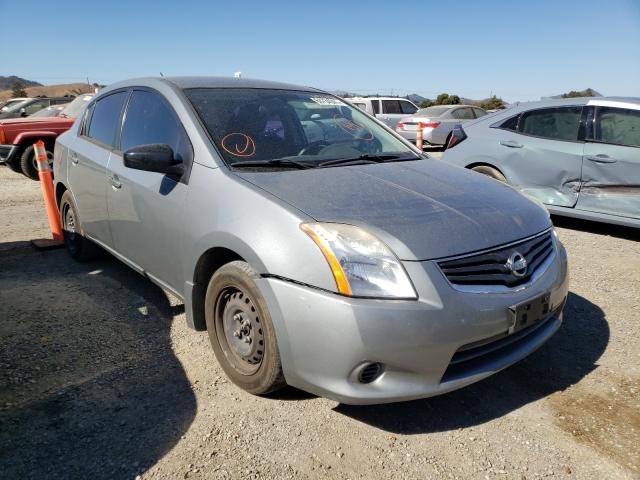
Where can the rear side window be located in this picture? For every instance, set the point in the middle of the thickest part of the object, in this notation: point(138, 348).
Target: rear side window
point(391, 106)
point(618, 126)
point(150, 120)
point(559, 123)
point(463, 114)
point(479, 112)
point(408, 108)
point(105, 118)
point(510, 124)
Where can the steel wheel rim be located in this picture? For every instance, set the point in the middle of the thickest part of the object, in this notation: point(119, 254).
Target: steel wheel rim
point(69, 220)
point(239, 330)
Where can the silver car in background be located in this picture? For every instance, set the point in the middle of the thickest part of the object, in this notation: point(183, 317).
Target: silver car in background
point(580, 156)
point(437, 122)
point(315, 246)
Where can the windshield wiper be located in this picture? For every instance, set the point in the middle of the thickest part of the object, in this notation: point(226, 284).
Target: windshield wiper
point(276, 162)
point(369, 158)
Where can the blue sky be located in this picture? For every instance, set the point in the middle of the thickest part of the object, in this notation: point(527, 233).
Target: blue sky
point(519, 50)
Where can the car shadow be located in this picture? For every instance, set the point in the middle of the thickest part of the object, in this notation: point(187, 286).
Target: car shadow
point(89, 384)
point(563, 361)
point(599, 228)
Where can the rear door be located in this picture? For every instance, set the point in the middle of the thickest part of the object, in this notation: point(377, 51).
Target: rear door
point(89, 155)
point(543, 156)
point(146, 209)
point(611, 168)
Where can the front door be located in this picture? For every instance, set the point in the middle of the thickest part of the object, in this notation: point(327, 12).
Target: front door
point(545, 153)
point(611, 168)
point(147, 209)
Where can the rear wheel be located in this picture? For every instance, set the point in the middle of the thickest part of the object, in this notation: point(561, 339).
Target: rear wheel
point(79, 247)
point(241, 331)
point(490, 172)
point(28, 162)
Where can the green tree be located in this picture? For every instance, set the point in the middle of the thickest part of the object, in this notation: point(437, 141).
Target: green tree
point(426, 103)
point(446, 99)
point(492, 103)
point(18, 90)
point(582, 93)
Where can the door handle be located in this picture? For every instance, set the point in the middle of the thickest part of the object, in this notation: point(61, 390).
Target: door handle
point(115, 182)
point(74, 158)
point(511, 144)
point(602, 158)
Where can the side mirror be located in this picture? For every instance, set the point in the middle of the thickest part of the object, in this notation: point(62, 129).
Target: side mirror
point(23, 112)
point(154, 157)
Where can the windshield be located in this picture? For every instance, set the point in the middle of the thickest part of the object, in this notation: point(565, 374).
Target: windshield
point(15, 105)
point(48, 112)
point(253, 125)
point(431, 111)
point(73, 109)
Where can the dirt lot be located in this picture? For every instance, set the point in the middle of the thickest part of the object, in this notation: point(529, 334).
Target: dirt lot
point(101, 378)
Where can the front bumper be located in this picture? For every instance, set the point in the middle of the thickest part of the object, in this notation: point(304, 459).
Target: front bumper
point(324, 338)
point(8, 153)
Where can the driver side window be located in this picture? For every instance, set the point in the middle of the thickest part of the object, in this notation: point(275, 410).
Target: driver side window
point(149, 120)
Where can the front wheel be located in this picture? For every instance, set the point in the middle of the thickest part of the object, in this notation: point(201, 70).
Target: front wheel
point(490, 172)
point(241, 331)
point(28, 162)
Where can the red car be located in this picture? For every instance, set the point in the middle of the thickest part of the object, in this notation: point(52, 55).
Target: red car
point(17, 136)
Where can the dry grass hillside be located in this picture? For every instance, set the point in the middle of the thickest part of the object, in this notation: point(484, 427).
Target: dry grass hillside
point(52, 90)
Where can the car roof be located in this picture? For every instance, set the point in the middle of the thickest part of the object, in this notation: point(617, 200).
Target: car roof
point(376, 98)
point(552, 102)
point(206, 82)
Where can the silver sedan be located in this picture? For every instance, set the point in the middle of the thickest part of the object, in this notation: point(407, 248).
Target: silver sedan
point(315, 246)
point(437, 122)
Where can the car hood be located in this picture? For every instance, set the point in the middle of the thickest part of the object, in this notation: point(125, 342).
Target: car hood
point(422, 209)
point(36, 121)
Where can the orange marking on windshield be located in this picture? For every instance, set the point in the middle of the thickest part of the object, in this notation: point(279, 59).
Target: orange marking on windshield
point(238, 144)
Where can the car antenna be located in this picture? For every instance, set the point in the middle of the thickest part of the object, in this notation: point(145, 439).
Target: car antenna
point(161, 74)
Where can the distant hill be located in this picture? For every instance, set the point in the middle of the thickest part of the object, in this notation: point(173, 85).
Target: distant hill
point(72, 89)
point(7, 83)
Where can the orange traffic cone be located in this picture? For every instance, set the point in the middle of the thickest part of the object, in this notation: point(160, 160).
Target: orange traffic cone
point(46, 183)
point(419, 138)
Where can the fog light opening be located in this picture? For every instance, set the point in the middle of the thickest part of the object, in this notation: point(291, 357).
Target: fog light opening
point(370, 372)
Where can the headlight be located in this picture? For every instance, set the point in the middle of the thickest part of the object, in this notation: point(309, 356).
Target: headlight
point(362, 265)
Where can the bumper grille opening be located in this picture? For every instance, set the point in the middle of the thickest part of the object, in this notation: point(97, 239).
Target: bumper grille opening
point(472, 358)
point(369, 372)
point(492, 267)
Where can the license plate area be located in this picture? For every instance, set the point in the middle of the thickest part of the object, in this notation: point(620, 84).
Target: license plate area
point(527, 313)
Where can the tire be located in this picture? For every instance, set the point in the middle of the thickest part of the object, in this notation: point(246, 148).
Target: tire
point(241, 331)
point(490, 172)
point(28, 162)
point(79, 247)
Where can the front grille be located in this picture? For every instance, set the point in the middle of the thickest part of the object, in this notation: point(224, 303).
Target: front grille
point(492, 267)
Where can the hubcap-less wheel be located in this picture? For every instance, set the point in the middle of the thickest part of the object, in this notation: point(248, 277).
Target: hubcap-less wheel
point(243, 340)
point(69, 222)
point(35, 162)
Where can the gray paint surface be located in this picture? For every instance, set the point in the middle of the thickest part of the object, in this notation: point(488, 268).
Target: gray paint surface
point(580, 178)
point(421, 209)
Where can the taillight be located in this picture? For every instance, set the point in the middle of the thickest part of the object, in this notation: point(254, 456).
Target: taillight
point(3, 138)
point(457, 135)
point(422, 126)
point(400, 126)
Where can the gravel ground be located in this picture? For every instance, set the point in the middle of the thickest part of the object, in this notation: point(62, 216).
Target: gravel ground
point(101, 378)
